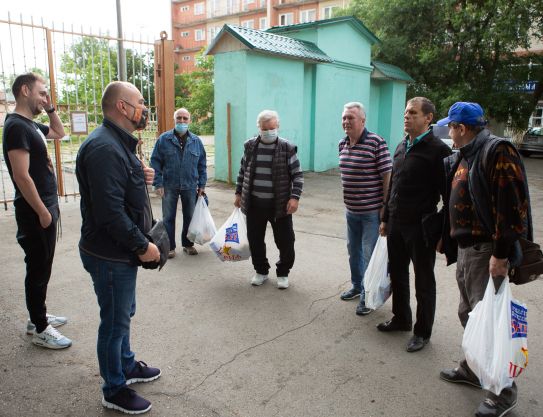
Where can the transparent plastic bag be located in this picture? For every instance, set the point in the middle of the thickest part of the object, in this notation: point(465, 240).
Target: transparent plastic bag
point(495, 339)
point(376, 278)
point(230, 243)
point(202, 227)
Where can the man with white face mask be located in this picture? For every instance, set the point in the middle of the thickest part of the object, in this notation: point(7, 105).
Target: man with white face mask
point(179, 161)
point(269, 186)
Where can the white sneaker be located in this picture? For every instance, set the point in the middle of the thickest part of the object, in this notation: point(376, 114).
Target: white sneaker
point(51, 338)
point(258, 279)
point(55, 321)
point(282, 282)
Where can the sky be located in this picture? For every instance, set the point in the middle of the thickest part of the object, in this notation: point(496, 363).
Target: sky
point(148, 17)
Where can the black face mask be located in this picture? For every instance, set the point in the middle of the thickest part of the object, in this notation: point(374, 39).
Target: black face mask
point(140, 116)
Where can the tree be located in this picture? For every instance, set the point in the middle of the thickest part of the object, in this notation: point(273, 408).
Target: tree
point(461, 50)
point(90, 64)
point(195, 92)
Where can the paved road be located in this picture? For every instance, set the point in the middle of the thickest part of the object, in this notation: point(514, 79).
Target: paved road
point(228, 349)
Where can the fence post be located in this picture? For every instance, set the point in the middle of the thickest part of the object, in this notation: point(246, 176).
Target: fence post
point(164, 83)
point(53, 94)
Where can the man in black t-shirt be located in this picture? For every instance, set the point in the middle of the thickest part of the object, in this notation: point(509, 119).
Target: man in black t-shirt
point(36, 202)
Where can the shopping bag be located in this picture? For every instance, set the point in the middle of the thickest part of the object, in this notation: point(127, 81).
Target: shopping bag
point(495, 339)
point(202, 227)
point(376, 278)
point(230, 243)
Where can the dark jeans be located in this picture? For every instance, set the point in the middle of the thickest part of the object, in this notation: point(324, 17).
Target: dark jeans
point(283, 234)
point(39, 247)
point(169, 211)
point(115, 288)
point(406, 243)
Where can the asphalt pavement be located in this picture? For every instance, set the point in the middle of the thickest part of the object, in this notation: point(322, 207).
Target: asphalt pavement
point(229, 349)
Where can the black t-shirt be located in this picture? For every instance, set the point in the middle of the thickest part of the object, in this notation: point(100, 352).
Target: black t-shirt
point(22, 133)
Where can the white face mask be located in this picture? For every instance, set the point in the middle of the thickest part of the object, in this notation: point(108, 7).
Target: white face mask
point(268, 136)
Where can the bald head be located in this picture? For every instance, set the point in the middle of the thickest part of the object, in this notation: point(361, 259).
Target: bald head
point(115, 91)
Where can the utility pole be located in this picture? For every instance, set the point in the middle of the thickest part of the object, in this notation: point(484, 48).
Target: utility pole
point(120, 47)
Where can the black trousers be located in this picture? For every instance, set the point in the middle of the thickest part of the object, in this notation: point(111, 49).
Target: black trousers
point(39, 247)
point(406, 243)
point(283, 234)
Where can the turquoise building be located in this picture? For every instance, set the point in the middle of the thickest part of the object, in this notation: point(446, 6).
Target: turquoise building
point(305, 72)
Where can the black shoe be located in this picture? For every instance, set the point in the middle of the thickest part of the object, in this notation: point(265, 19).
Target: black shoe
point(393, 326)
point(142, 373)
point(362, 310)
point(416, 343)
point(127, 401)
point(457, 375)
point(350, 294)
point(492, 408)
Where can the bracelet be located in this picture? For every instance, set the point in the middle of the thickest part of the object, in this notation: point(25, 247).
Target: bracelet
point(51, 110)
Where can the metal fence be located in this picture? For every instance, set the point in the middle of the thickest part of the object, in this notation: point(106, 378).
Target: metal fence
point(78, 65)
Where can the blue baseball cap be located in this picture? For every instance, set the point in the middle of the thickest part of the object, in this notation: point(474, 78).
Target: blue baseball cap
point(470, 114)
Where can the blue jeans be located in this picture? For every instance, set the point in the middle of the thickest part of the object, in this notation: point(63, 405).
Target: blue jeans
point(362, 234)
point(169, 211)
point(115, 288)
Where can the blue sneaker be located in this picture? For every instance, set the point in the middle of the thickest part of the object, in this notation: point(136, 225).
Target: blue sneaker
point(51, 338)
point(55, 321)
point(127, 401)
point(142, 373)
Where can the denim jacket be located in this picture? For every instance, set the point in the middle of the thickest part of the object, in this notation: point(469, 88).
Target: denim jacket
point(180, 169)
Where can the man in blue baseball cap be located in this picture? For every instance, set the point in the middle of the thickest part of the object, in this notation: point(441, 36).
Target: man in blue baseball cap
point(484, 217)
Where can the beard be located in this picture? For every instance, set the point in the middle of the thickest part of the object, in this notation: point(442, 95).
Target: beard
point(36, 110)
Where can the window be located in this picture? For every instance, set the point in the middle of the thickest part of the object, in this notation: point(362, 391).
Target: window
point(286, 19)
point(262, 3)
point(249, 24)
point(185, 9)
point(263, 23)
point(199, 35)
point(328, 12)
point(308, 16)
point(537, 117)
point(186, 57)
point(214, 31)
point(184, 34)
point(198, 8)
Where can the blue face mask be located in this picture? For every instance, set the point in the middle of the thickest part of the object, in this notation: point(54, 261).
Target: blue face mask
point(181, 128)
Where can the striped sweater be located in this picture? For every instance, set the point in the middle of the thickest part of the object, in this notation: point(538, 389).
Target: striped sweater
point(362, 167)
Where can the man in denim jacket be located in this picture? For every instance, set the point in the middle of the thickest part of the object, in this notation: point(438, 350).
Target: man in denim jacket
point(179, 161)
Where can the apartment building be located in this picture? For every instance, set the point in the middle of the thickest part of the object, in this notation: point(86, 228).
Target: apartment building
point(195, 23)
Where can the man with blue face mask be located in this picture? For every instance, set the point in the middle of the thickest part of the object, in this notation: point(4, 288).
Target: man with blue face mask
point(269, 185)
point(179, 161)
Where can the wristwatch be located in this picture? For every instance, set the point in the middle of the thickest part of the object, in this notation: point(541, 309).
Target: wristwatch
point(51, 110)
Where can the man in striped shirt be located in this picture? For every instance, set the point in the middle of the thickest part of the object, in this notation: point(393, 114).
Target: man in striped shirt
point(365, 165)
point(269, 185)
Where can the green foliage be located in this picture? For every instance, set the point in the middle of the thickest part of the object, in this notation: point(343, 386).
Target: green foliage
point(461, 50)
point(91, 64)
point(194, 91)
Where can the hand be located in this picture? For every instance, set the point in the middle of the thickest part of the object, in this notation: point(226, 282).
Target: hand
point(152, 254)
point(201, 191)
point(383, 229)
point(498, 267)
point(160, 192)
point(148, 173)
point(292, 206)
point(237, 201)
point(46, 219)
point(48, 103)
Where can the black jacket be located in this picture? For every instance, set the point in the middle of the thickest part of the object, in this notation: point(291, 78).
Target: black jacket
point(417, 181)
point(114, 203)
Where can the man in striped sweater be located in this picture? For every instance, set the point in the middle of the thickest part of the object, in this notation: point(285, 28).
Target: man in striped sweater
point(269, 185)
point(365, 165)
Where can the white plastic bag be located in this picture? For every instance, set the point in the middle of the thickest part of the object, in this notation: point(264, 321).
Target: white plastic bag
point(495, 338)
point(376, 279)
point(202, 227)
point(230, 243)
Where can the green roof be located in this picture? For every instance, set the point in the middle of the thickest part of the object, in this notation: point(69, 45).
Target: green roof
point(358, 25)
point(390, 72)
point(273, 44)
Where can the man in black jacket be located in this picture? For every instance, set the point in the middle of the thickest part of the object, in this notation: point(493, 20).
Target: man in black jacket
point(411, 223)
point(116, 214)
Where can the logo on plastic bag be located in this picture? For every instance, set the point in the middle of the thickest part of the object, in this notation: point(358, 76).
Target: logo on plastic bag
point(519, 325)
point(227, 256)
point(231, 234)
